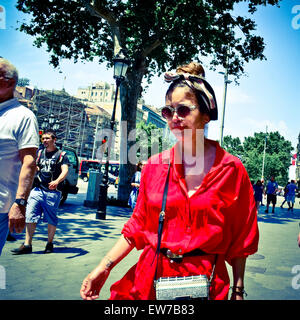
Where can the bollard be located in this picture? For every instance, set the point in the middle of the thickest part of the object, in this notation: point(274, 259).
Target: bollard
point(92, 194)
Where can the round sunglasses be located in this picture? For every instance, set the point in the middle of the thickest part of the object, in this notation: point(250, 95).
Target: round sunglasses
point(182, 111)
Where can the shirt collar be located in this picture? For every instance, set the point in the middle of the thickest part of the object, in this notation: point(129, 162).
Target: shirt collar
point(9, 103)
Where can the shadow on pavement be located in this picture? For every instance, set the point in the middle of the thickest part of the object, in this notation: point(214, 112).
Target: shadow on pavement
point(78, 227)
point(280, 216)
point(76, 251)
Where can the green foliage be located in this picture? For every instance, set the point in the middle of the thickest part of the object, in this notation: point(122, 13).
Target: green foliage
point(23, 82)
point(251, 152)
point(150, 139)
point(233, 146)
point(164, 33)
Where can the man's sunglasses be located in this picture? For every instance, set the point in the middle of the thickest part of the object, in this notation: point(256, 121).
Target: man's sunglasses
point(4, 78)
point(182, 111)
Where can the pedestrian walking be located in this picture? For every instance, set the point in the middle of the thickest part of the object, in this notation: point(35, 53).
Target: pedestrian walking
point(258, 193)
point(189, 218)
point(263, 187)
point(291, 194)
point(52, 169)
point(284, 195)
point(18, 145)
point(135, 184)
point(272, 188)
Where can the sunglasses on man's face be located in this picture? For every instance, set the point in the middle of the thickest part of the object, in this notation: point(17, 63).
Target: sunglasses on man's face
point(182, 111)
point(4, 78)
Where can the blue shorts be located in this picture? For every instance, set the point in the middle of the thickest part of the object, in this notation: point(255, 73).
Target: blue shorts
point(290, 198)
point(44, 202)
point(3, 229)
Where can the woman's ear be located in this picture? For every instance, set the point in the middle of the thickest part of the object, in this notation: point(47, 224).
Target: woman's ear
point(206, 118)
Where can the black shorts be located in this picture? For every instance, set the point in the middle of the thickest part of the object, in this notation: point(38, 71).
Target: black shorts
point(271, 198)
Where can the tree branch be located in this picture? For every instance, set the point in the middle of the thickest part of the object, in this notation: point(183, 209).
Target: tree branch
point(99, 11)
point(151, 47)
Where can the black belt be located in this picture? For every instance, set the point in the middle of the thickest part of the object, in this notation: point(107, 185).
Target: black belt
point(178, 257)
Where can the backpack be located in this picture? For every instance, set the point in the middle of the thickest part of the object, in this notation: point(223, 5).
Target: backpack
point(58, 155)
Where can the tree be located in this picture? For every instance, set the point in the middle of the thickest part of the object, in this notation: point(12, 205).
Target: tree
point(23, 82)
point(277, 158)
point(233, 146)
point(150, 140)
point(156, 35)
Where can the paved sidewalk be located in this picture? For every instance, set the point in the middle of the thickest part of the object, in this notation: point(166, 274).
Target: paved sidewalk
point(81, 241)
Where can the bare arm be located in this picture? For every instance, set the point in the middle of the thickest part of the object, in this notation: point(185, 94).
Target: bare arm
point(238, 270)
point(93, 283)
point(17, 212)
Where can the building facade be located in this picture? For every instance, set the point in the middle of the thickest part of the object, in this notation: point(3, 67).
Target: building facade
point(102, 95)
point(99, 92)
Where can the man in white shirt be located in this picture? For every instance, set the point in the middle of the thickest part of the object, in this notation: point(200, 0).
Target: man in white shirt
point(19, 141)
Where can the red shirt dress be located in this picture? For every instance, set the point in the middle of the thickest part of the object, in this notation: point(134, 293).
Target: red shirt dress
point(219, 218)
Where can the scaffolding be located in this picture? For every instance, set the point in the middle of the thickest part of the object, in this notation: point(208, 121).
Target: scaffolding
point(75, 128)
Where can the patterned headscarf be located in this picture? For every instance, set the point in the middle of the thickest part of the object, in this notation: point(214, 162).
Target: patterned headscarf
point(197, 83)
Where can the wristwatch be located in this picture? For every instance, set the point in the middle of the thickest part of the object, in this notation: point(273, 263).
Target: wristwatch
point(21, 202)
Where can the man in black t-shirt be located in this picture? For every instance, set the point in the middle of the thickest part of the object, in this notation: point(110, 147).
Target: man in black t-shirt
point(52, 169)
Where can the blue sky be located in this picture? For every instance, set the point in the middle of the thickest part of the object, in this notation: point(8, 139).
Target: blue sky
point(268, 96)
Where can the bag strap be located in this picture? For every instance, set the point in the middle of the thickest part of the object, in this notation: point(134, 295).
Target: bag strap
point(161, 219)
point(39, 156)
point(160, 228)
point(58, 156)
point(213, 269)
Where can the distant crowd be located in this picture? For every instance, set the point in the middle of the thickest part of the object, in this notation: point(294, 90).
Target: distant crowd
point(271, 190)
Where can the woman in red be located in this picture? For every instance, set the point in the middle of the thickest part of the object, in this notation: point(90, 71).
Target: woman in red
point(210, 205)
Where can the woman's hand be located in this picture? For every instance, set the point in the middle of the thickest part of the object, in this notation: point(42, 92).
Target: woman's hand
point(93, 283)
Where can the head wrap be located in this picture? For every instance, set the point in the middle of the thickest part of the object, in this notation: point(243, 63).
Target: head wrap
point(198, 83)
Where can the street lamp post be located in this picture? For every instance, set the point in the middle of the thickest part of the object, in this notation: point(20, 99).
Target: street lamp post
point(120, 67)
point(226, 81)
point(264, 155)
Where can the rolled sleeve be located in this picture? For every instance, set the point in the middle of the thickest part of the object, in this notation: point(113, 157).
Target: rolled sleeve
point(27, 132)
point(244, 228)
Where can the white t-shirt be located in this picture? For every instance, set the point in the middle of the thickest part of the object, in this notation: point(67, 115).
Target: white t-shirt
point(18, 130)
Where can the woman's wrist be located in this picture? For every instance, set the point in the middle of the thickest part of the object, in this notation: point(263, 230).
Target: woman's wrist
point(105, 266)
point(108, 263)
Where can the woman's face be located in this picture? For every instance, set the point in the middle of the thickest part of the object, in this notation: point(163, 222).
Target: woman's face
point(194, 120)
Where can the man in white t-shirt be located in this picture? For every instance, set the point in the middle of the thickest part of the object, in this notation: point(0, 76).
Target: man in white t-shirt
point(19, 141)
